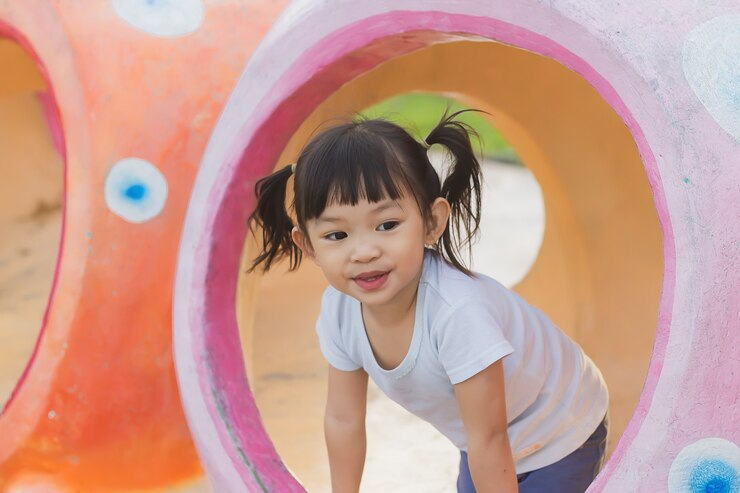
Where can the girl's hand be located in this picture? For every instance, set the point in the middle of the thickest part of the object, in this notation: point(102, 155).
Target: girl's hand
point(483, 409)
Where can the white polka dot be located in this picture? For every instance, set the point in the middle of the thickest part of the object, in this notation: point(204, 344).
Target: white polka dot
point(166, 18)
point(711, 64)
point(710, 464)
point(135, 190)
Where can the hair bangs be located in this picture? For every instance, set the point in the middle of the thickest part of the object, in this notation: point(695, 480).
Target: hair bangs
point(358, 166)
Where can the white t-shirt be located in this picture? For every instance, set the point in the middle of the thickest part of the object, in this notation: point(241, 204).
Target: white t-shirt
point(555, 395)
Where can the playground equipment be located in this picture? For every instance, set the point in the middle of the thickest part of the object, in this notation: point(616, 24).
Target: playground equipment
point(133, 90)
point(627, 115)
point(683, 433)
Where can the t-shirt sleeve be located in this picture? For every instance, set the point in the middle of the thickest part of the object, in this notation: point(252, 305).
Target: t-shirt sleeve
point(329, 330)
point(470, 339)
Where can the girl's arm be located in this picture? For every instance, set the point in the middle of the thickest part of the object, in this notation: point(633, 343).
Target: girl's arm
point(344, 428)
point(483, 409)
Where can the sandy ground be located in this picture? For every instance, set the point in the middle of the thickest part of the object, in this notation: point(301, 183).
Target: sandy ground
point(26, 270)
point(30, 230)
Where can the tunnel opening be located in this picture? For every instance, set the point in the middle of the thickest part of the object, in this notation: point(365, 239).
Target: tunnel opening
point(581, 199)
point(31, 206)
point(601, 250)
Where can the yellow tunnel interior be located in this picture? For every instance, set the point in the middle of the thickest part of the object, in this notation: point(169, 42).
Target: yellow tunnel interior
point(31, 194)
point(598, 274)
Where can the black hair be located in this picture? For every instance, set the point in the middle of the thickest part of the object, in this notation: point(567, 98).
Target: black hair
point(371, 159)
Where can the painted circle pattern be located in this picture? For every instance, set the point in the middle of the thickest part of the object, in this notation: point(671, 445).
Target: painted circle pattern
point(135, 190)
point(711, 64)
point(709, 465)
point(165, 18)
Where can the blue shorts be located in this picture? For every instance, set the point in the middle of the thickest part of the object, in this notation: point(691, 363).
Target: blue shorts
point(571, 474)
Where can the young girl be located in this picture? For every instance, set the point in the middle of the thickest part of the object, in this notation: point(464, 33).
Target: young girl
point(523, 403)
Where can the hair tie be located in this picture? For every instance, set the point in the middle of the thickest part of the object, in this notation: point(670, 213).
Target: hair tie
point(292, 168)
point(424, 143)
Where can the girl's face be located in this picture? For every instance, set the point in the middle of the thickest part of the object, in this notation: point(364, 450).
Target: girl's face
point(373, 251)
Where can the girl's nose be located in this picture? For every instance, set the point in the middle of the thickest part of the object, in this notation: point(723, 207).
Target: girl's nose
point(364, 251)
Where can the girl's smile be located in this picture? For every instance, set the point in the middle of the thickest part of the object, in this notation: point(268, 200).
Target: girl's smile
point(371, 281)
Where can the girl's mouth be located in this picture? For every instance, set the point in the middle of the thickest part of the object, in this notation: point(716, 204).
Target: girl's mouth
point(372, 282)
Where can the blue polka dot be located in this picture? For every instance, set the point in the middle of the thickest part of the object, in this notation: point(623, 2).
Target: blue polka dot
point(713, 476)
point(135, 192)
point(709, 465)
point(166, 18)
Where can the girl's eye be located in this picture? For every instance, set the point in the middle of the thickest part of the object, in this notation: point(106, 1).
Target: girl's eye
point(337, 235)
point(388, 225)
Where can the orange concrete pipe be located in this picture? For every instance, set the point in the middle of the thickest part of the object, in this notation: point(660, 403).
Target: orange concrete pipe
point(98, 407)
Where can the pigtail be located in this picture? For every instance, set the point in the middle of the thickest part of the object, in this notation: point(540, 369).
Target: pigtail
point(461, 187)
point(270, 215)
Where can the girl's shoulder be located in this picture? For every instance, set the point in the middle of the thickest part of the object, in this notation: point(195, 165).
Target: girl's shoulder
point(452, 297)
point(453, 287)
point(335, 305)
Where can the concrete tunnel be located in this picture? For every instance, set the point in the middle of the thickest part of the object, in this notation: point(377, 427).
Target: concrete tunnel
point(598, 272)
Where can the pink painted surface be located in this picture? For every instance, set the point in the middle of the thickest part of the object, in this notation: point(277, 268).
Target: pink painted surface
point(51, 114)
point(344, 49)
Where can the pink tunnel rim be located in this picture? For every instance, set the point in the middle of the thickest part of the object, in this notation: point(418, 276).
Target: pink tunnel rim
point(53, 118)
point(221, 370)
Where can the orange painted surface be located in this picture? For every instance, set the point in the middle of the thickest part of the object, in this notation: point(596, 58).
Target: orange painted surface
point(99, 409)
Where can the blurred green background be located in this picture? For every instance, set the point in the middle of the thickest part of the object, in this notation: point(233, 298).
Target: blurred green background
point(419, 112)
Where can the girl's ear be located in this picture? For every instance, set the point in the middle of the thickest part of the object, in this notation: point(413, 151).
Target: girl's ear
point(300, 239)
point(440, 216)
